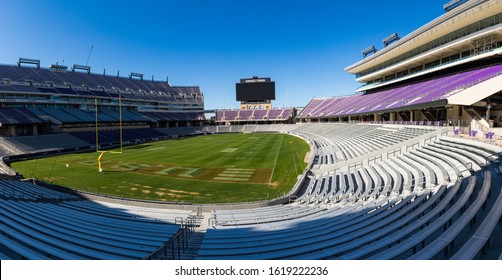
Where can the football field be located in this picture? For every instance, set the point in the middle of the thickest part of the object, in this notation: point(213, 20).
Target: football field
point(204, 169)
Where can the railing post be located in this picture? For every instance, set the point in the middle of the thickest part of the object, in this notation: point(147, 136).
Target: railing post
point(172, 248)
point(179, 251)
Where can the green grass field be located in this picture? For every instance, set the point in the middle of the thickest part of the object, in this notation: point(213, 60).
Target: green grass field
point(203, 169)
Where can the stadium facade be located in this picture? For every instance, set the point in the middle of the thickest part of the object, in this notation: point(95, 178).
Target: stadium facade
point(36, 100)
point(449, 70)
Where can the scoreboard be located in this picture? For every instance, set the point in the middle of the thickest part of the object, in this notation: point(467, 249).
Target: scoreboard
point(255, 89)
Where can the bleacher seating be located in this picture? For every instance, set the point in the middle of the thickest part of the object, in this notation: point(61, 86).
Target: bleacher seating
point(174, 116)
point(34, 227)
point(48, 142)
point(86, 139)
point(18, 116)
point(253, 115)
point(27, 190)
point(76, 116)
point(107, 137)
point(400, 97)
point(391, 208)
point(373, 192)
point(74, 90)
point(141, 89)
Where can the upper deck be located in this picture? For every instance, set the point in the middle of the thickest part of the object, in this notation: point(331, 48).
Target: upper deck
point(450, 37)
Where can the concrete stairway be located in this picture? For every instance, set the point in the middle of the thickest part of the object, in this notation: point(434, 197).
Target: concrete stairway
point(196, 240)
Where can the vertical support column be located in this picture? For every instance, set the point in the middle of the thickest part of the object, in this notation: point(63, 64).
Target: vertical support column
point(450, 115)
point(454, 114)
point(35, 130)
point(12, 131)
point(419, 116)
point(397, 117)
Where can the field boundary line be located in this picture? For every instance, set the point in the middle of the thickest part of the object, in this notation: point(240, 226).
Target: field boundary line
point(276, 157)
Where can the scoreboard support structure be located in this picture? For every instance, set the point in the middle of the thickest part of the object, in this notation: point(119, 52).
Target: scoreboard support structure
point(255, 93)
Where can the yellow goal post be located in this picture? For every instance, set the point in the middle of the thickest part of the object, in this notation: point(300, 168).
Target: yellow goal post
point(98, 150)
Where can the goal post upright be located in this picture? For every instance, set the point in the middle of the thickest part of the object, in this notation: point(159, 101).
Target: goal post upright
point(120, 121)
point(102, 153)
point(97, 124)
point(100, 162)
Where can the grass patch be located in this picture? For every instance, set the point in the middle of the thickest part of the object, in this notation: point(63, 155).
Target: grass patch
point(184, 169)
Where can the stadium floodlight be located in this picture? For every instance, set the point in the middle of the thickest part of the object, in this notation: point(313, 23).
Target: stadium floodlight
point(390, 39)
point(453, 4)
point(137, 75)
point(84, 68)
point(369, 50)
point(28, 61)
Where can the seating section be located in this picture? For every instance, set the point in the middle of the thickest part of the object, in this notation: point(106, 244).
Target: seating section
point(28, 191)
point(179, 116)
point(18, 116)
point(372, 192)
point(341, 142)
point(401, 97)
point(108, 137)
point(36, 227)
point(73, 89)
point(181, 131)
point(96, 85)
point(423, 202)
point(253, 115)
point(87, 139)
point(76, 116)
point(31, 144)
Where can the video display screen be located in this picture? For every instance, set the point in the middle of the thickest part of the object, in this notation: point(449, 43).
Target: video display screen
point(255, 91)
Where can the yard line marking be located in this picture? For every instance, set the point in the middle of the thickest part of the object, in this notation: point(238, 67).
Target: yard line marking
point(240, 169)
point(231, 179)
point(234, 175)
point(238, 172)
point(276, 157)
point(294, 161)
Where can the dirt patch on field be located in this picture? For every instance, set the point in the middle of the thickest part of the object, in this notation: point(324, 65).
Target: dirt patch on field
point(161, 194)
point(210, 173)
point(172, 195)
point(183, 192)
point(261, 176)
point(147, 187)
point(307, 157)
point(133, 189)
point(273, 185)
point(145, 191)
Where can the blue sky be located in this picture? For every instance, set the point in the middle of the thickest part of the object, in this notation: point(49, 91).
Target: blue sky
point(303, 45)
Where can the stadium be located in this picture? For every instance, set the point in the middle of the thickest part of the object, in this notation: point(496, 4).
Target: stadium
point(104, 167)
